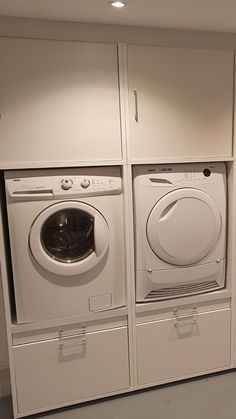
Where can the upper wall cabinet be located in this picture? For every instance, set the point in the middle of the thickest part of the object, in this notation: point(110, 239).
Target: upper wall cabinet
point(181, 102)
point(59, 102)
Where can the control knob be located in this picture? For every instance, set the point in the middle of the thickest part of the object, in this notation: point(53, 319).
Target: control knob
point(85, 183)
point(66, 184)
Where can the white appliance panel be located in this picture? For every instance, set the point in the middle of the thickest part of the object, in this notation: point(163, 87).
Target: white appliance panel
point(180, 229)
point(47, 287)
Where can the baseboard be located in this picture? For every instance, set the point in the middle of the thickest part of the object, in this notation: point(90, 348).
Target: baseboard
point(5, 387)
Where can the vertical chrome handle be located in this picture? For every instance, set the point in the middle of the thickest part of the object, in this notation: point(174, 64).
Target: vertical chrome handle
point(136, 105)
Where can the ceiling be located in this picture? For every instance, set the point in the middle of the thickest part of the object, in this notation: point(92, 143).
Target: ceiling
point(210, 15)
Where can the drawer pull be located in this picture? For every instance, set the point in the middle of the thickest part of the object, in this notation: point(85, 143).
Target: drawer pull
point(67, 334)
point(180, 319)
point(67, 341)
point(72, 345)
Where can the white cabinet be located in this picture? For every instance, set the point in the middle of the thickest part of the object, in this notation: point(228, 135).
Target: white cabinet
point(62, 371)
point(59, 102)
point(3, 337)
point(182, 346)
point(181, 102)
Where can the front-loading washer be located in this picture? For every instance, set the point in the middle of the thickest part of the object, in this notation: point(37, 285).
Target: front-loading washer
point(67, 241)
point(180, 229)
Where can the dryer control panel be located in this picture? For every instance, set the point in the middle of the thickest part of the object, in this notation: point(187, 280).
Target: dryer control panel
point(185, 175)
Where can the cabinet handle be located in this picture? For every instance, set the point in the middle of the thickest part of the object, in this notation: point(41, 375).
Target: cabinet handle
point(136, 105)
point(181, 319)
point(68, 334)
point(80, 339)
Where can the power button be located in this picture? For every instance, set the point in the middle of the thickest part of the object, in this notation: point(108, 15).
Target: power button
point(207, 172)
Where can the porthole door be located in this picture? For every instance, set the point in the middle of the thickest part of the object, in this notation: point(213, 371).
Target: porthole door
point(69, 238)
point(184, 226)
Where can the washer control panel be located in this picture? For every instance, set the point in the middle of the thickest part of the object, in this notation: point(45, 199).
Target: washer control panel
point(49, 187)
point(85, 185)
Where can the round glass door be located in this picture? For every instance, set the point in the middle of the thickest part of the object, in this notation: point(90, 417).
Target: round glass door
point(184, 226)
point(68, 235)
point(69, 238)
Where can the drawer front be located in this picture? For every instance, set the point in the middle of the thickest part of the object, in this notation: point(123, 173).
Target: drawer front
point(62, 371)
point(182, 346)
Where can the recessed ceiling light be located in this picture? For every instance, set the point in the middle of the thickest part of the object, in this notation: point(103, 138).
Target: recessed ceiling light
point(118, 4)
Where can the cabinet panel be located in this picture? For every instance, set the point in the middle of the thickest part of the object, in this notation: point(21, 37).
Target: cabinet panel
point(184, 102)
point(174, 348)
point(49, 374)
point(59, 101)
point(3, 339)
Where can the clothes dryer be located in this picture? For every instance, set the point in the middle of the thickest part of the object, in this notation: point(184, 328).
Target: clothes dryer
point(180, 229)
point(67, 241)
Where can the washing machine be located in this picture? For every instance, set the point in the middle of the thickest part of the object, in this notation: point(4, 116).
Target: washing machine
point(67, 242)
point(180, 229)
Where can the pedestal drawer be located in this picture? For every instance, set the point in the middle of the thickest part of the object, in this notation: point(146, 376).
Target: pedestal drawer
point(183, 345)
point(59, 371)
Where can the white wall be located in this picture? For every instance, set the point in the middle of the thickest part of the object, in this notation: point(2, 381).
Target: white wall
point(30, 28)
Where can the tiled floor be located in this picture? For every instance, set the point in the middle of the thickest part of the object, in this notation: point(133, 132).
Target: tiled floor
point(212, 397)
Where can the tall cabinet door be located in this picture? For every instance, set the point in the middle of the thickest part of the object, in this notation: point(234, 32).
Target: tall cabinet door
point(181, 102)
point(59, 102)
